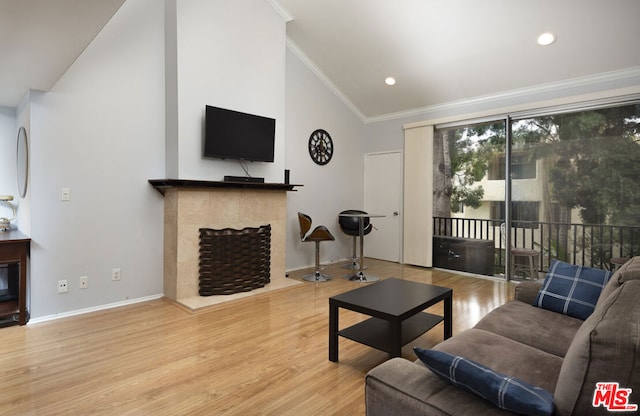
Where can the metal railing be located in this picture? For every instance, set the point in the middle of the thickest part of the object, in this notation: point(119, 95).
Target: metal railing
point(593, 245)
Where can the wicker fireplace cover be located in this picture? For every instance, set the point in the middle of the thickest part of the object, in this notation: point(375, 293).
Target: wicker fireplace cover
point(233, 261)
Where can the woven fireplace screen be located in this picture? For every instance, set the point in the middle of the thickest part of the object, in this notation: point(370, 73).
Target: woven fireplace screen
point(233, 261)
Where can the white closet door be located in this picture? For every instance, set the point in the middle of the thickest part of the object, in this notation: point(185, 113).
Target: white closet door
point(383, 196)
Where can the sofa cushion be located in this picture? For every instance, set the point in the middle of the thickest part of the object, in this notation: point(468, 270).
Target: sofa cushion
point(606, 349)
point(505, 356)
point(572, 289)
point(629, 271)
point(522, 322)
point(506, 392)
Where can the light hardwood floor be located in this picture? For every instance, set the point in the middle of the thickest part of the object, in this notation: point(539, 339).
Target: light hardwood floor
point(263, 355)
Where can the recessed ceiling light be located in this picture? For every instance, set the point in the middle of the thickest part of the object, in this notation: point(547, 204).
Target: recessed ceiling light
point(546, 38)
point(390, 81)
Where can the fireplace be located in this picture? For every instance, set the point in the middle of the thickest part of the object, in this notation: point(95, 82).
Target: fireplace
point(234, 261)
point(191, 205)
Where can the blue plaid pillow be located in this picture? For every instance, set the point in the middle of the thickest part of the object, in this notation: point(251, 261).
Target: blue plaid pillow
point(571, 290)
point(506, 392)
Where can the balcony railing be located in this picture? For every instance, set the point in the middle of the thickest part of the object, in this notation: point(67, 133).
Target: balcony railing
point(593, 245)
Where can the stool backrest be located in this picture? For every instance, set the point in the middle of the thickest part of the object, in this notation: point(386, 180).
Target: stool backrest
point(305, 224)
point(352, 223)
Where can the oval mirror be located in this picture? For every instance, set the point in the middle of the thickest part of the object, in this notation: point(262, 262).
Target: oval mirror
point(22, 161)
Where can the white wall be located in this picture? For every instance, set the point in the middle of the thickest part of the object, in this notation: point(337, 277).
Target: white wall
point(100, 132)
point(10, 120)
point(8, 135)
point(7, 166)
point(230, 54)
point(327, 189)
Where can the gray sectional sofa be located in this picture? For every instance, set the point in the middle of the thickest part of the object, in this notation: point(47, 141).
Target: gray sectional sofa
point(564, 355)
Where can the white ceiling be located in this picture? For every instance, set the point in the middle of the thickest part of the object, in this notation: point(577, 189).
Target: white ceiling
point(440, 51)
point(40, 39)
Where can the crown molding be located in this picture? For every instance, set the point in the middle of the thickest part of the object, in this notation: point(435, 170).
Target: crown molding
point(618, 96)
point(286, 16)
point(500, 98)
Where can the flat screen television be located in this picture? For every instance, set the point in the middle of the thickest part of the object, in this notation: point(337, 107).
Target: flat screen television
point(234, 135)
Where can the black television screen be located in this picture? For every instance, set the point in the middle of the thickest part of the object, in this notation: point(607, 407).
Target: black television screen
point(234, 135)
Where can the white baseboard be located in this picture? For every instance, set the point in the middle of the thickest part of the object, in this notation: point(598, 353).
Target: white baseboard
point(92, 309)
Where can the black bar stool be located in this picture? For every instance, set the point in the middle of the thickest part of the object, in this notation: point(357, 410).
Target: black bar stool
point(350, 226)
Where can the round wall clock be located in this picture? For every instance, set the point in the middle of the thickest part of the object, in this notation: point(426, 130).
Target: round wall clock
point(320, 147)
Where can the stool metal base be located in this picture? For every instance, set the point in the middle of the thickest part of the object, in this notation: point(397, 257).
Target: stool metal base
point(362, 278)
point(316, 277)
point(354, 265)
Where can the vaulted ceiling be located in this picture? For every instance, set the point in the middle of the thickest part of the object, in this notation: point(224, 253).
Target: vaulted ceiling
point(439, 51)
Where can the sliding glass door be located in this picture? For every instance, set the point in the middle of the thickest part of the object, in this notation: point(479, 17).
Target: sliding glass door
point(562, 185)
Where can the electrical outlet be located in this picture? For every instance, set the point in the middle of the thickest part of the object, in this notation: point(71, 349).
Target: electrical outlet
point(63, 286)
point(84, 282)
point(115, 274)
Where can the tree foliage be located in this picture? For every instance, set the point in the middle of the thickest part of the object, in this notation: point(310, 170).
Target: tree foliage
point(471, 153)
point(597, 162)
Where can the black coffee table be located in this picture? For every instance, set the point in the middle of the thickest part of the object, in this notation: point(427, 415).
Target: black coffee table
point(395, 307)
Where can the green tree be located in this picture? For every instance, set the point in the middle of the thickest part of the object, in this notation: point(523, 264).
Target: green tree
point(597, 162)
point(592, 165)
point(464, 157)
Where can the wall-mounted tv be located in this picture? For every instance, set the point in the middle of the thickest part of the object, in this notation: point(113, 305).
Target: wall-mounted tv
point(234, 135)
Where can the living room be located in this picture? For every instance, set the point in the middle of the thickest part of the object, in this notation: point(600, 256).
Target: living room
point(130, 109)
point(125, 78)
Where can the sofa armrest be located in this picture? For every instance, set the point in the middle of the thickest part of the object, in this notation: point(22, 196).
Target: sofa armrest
point(527, 291)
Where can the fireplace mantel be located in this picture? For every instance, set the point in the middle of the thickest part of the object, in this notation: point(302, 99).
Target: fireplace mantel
point(193, 204)
point(162, 184)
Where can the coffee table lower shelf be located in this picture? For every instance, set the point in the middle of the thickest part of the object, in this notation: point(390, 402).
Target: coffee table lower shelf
point(376, 333)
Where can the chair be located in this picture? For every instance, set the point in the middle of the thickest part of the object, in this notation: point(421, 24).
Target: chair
point(530, 254)
point(320, 233)
point(350, 226)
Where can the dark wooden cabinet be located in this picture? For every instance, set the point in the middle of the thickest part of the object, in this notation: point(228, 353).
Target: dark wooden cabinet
point(14, 254)
point(464, 254)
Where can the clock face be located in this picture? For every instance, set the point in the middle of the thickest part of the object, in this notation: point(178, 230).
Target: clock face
point(320, 147)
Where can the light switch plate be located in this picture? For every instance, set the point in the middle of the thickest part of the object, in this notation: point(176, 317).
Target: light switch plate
point(65, 194)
